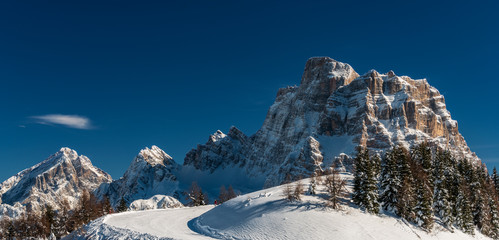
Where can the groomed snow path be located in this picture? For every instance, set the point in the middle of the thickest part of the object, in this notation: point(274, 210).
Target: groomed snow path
point(145, 225)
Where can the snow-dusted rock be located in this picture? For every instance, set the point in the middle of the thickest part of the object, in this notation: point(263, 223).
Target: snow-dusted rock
point(152, 172)
point(65, 174)
point(155, 202)
point(322, 121)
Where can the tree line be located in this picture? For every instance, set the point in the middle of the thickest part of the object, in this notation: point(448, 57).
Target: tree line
point(425, 184)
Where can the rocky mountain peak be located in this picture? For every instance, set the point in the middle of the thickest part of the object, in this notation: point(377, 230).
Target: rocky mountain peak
point(64, 174)
point(215, 137)
point(154, 156)
point(333, 110)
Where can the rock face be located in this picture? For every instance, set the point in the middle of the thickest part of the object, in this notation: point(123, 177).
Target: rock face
point(151, 172)
point(155, 202)
point(326, 117)
point(65, 174)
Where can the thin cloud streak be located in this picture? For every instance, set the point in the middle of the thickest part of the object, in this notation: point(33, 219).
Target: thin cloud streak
point(71, 121)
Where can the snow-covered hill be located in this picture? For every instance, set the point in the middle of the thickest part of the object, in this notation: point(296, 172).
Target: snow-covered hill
point(263, 215)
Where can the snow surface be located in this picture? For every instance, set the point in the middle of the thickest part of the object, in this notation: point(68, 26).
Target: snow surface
point(263, 215)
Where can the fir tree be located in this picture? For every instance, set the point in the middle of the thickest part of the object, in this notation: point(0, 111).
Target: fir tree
point(495, 179)
point(423, 209)
point(390, 182)
point(365, 182)
point(441, 204)
point(122, 206)
point(494, 218)
point(464, 218)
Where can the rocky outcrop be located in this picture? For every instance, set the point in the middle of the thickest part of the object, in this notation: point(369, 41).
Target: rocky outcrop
point(64, 175)
point(151, 172)
point(334, 110)
point(155, 202)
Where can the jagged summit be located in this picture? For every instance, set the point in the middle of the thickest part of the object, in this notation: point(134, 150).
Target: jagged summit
point(333, 110)
point(154, 156)
point(64, 174)
point(151, 172)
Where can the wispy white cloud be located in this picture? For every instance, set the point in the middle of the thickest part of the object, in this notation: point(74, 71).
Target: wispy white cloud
point(71, 121)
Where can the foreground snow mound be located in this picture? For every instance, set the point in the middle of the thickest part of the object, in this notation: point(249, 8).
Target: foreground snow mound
point(156, 202)
point(266, 215)
point(98, 230)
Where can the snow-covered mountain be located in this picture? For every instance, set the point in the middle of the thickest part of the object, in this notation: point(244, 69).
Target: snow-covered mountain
point(151, 172)
point(322, 121)
point(64, 175)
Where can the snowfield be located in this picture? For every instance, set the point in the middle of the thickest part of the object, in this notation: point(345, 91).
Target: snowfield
point(263, 215)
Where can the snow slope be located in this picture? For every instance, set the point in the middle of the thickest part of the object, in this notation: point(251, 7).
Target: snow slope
point(266, 215)
point(149, 224)
point(263, 215)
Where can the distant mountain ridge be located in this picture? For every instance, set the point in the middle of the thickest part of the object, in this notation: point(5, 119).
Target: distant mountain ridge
point(308, 127)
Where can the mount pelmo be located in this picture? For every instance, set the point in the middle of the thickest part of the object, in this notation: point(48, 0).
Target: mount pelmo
point(321, 121)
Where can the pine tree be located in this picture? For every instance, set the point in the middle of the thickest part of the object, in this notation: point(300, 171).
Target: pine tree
point(390, 182)
point(423, 209)
point(122, 206)
point(371, 187)
point(441, 204)
point(464, 217)
point(406, 196)
point(495, 179)
point(365, 181)
point(360, 177)
point(494, 218)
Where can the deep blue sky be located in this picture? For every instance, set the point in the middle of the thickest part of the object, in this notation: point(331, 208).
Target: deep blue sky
point(171, 73)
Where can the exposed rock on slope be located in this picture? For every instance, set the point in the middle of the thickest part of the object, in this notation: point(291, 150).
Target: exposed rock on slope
point(63, 175)
point(155, 202)
point(151, 172)
point(332, 111)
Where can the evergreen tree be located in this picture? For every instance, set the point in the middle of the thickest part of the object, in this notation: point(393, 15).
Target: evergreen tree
point(390, 182)
point(406, 196)
point(494, 218)
point(464, 218)
point(365, 181)
point(495, 179)
point(422, 155)
point(423, 209)
point(122, 206)
point(371, 188)
point(441, 204)
point(360, 177)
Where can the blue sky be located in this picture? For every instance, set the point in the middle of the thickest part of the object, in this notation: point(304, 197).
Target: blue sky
point(125, 75)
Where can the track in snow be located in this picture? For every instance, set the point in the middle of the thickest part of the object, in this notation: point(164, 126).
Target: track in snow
point(169, 223)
